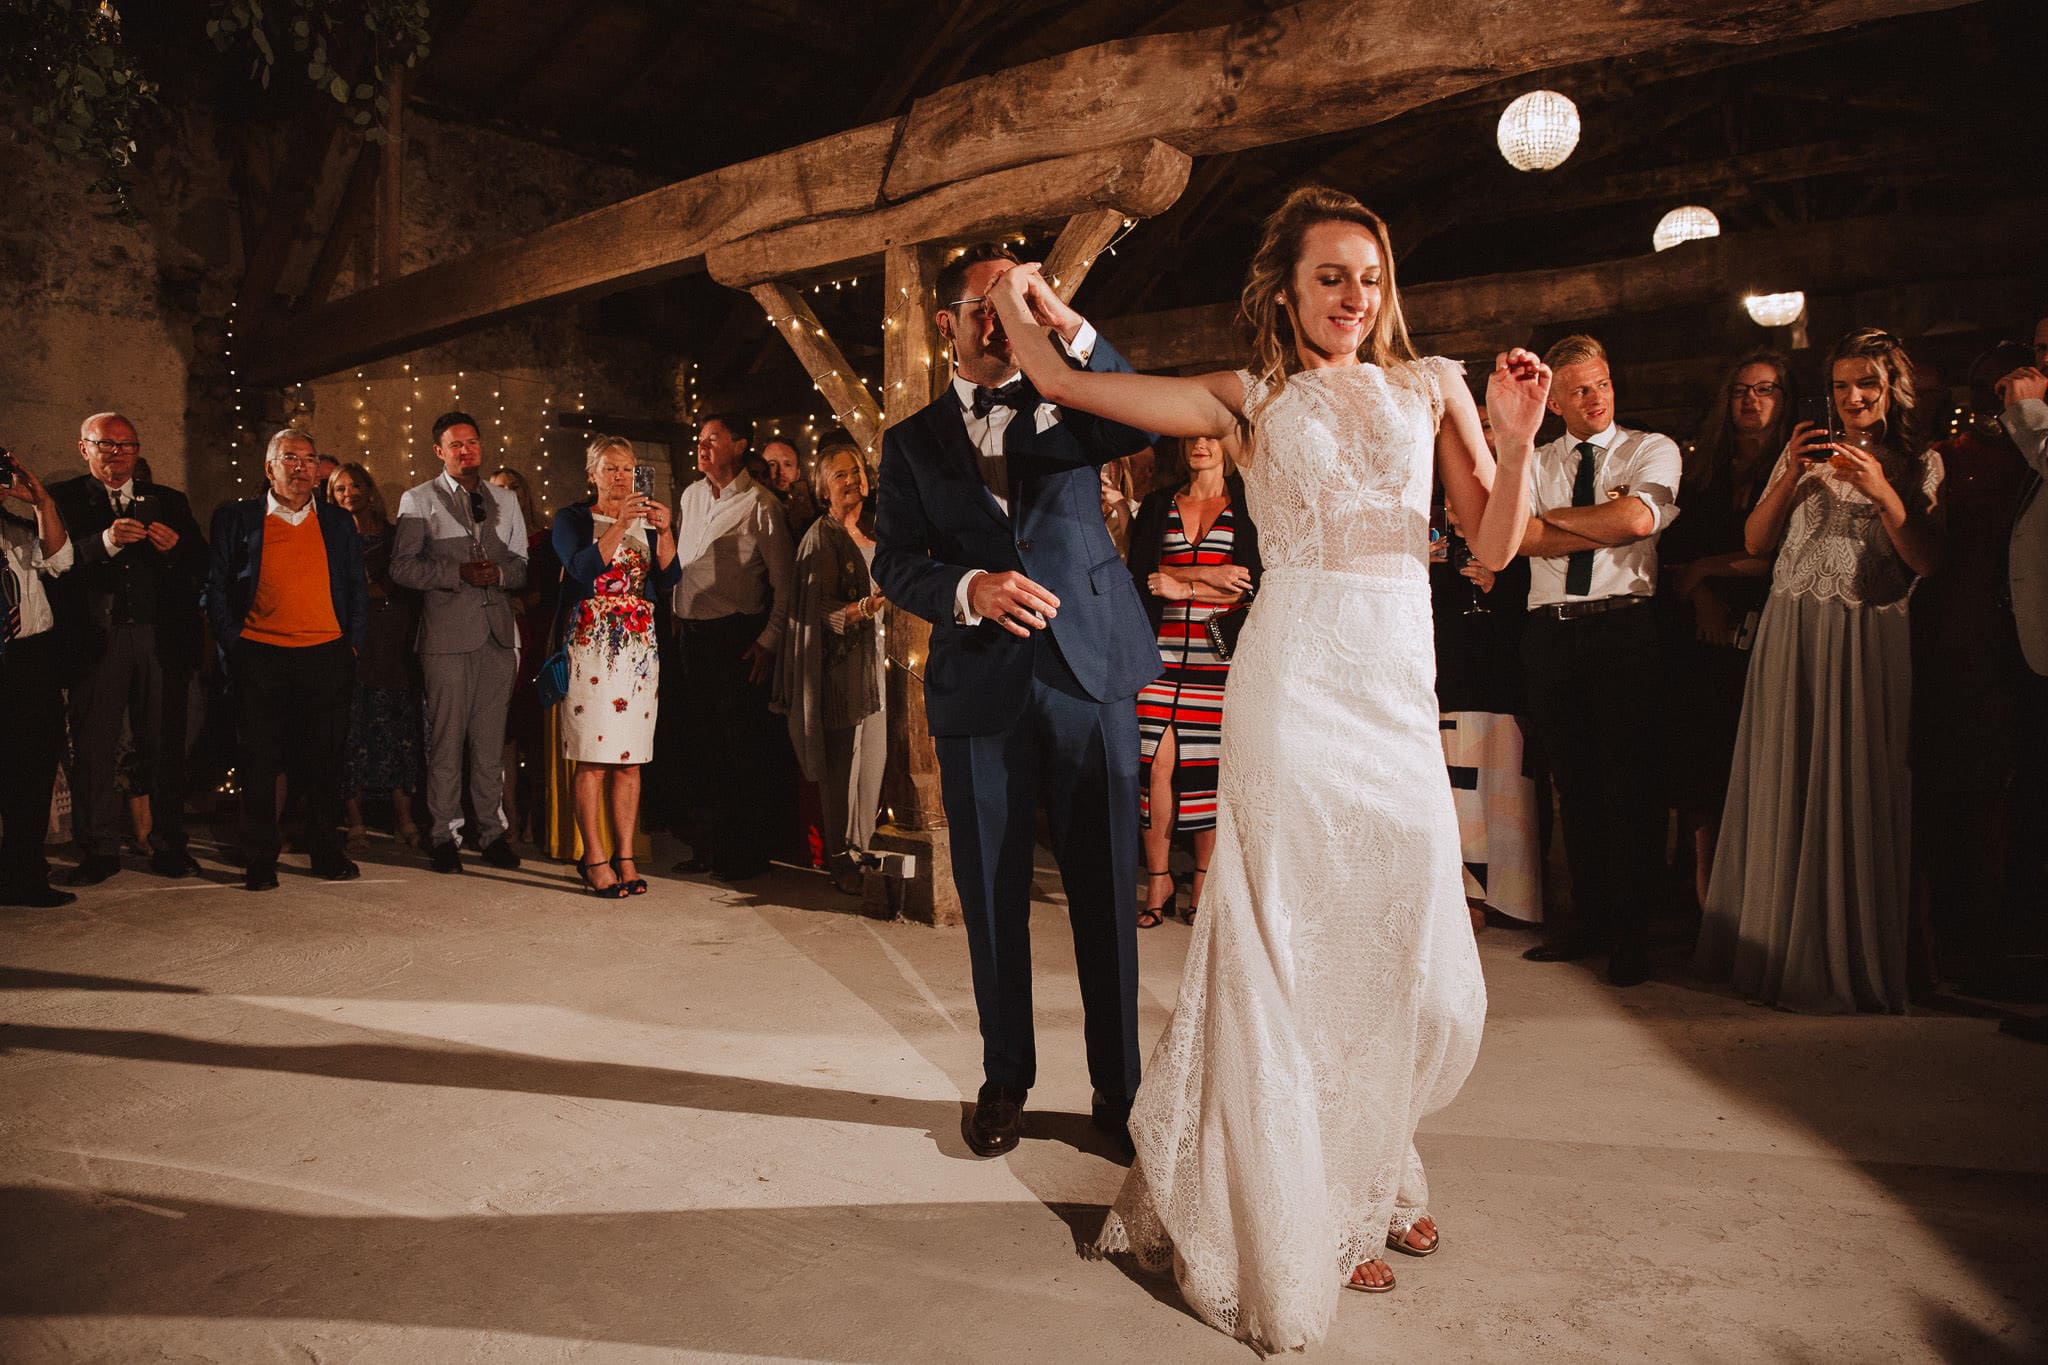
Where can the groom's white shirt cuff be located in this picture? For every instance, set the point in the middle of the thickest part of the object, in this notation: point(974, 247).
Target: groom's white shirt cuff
point(1080, 348)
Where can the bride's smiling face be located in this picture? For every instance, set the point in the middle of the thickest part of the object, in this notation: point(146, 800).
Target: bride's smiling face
point(1335, 296)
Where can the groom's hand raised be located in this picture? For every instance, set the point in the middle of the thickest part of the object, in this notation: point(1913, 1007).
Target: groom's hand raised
point(1012, 601)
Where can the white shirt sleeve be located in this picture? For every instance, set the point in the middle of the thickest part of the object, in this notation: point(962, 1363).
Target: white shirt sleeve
point(962, 612)
point(780, 557)
point(1653, 474)
point(1083, 344)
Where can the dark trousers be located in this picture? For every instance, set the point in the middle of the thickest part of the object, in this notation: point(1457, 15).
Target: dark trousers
point(1593, 693)
point(32, 723)
point(129, 680)
point(723, 739)
point(291, 714)
point(1078, 758)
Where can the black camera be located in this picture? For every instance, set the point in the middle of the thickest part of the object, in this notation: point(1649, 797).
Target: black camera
point(9, 469)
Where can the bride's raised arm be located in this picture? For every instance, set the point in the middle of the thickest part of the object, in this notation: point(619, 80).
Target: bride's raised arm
point(1493, 500)
point(1201, 405)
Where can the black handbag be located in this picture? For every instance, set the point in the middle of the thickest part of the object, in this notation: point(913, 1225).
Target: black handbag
point(1223, 628)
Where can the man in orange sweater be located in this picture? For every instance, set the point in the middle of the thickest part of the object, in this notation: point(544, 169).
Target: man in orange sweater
point(289, 604)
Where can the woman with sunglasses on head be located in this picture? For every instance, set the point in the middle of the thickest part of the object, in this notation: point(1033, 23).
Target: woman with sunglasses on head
point(618, 553)
point(1807, 903)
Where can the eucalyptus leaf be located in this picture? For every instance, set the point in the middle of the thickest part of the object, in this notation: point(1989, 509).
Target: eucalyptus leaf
point(338, 87)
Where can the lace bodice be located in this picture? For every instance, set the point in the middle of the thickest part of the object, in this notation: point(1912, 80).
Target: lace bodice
point(1836, 549)
point(1342, 465)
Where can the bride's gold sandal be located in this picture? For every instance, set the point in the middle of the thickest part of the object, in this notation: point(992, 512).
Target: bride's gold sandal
point(1365, 1288)
point(1397, 1237)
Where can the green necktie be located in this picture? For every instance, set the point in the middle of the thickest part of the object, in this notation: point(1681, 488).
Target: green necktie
point(1578, 573)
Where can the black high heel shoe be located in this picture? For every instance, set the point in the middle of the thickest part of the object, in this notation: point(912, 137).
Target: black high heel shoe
point(635, 886)
point(616, 891)
point(1152, 916)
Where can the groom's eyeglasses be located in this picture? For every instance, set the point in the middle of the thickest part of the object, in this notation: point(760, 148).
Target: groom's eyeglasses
point(980, 305)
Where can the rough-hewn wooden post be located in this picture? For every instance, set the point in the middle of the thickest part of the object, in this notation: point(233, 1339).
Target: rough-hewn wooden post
point(913, 368)
point(1079, 243)
point(853, 407)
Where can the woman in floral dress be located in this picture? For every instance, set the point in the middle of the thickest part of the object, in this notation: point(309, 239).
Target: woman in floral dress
point(617, 551)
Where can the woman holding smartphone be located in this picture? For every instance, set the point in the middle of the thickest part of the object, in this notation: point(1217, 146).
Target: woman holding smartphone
point(1807, 904)
point(616, 551)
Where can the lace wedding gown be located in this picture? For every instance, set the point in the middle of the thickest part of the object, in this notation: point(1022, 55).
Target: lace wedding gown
point(1332, 995)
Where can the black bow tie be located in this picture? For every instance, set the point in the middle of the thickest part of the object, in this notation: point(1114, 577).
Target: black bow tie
point(1015, 394)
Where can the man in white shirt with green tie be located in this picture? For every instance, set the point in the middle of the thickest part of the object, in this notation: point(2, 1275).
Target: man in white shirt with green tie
point(1601, 496)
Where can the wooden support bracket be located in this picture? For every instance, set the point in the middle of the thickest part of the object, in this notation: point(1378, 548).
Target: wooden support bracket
point(1080, 242)
point(853, 407)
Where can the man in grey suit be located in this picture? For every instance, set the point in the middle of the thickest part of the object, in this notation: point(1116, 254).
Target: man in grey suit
point(461, 544)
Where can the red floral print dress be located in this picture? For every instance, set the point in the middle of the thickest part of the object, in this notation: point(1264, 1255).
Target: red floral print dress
point(614, 665)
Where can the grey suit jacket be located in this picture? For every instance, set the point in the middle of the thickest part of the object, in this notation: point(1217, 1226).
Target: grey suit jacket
point(435, 537)
point(2027, 423)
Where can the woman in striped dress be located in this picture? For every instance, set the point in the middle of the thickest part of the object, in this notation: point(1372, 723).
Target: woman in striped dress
point(1194, 553)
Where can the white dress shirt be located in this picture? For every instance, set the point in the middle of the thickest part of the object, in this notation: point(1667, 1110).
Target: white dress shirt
point(117, 498)
point(273, 508)
point(23, 548)
point(987, 435)
point(735, 554)
point(1638, 464)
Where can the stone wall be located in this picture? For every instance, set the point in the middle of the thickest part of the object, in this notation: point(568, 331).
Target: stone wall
point(108, 315)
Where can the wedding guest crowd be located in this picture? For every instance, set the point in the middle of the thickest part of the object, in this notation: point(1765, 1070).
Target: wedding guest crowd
point(1822, 642)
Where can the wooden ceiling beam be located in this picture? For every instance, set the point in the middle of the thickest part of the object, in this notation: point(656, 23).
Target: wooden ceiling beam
point(1136, 180)
point(1319, 67)
point(1323, 66)
point(650, 237)
point(1085, 237)
point(1470, 316)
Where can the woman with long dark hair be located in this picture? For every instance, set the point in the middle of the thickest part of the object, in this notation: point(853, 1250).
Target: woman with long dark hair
point(384, 725)
point(1332, 994)
point(1711, 590)
point(1807, 906)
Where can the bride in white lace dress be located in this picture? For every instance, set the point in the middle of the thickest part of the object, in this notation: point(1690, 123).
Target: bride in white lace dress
point(1332, 996)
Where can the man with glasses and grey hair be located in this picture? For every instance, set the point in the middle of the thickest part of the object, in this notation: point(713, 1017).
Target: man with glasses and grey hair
point(461, 544)
point(128, 639)
point(290, 607)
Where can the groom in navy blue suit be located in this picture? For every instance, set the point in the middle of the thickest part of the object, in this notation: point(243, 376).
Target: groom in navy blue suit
point(989, 525)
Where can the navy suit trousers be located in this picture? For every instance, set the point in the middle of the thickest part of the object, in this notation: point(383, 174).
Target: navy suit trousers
point(1079, 759)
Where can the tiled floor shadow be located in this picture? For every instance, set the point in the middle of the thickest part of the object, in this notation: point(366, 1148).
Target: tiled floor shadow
point(402, 1059)
point(788, 1282)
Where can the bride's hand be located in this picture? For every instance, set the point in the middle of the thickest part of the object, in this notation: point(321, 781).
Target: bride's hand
point(1010, 296)
point(1515, 395)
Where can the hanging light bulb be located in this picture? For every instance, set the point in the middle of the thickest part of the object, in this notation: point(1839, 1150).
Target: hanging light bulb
point(1538, 131)
point(1775, 310)
point(1691, 223)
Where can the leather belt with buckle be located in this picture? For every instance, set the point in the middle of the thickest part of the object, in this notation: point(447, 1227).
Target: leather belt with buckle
point(1572, 611)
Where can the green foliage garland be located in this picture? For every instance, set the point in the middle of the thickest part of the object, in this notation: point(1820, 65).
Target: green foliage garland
point(393, 33)
point(84, 93)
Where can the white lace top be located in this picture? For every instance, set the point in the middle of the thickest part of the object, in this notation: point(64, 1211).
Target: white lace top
point(1835, 548)
point(1340, 479)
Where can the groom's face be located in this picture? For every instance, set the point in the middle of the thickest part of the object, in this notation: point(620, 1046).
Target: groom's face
point(980, 350)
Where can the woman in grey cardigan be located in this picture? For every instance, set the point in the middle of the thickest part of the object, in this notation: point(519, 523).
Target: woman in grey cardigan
point(829, 677)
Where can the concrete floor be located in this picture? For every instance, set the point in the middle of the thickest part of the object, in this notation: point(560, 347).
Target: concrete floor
point(429, 1119)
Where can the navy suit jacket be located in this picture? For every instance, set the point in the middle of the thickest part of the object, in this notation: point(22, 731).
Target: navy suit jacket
point(935, 520)
point(238, 564)
point(574, 536)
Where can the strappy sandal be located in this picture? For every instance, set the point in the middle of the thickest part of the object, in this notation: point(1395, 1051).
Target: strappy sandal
point(1194, 909)
point(1152, 916)
point(1397, 1237)
point(635, 885)
point(616, 891)
point(1355, 1283)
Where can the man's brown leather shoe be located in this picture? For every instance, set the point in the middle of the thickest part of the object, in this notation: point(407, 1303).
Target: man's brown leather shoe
point(997, 1121)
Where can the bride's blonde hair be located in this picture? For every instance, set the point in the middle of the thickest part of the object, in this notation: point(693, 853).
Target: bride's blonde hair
point(1274, 356)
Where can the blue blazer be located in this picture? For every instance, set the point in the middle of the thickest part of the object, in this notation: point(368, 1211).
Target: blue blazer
point(237, 564)
point(935, 520)
point(574, 536)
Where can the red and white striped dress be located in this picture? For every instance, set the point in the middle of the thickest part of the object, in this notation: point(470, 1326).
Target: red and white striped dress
point(1188, 696)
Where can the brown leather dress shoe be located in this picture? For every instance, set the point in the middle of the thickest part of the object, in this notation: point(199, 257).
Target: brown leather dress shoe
point(997, 1123)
